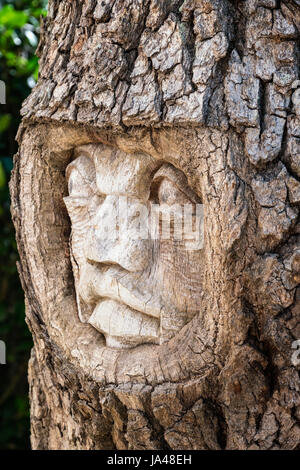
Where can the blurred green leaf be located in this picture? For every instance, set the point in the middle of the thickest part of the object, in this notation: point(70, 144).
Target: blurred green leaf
point(2, 176)
point(19, 31)
point(12, 18)
point(5, 121)
point(7, 164)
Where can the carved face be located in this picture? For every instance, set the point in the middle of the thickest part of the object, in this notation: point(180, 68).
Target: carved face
point(136, 245)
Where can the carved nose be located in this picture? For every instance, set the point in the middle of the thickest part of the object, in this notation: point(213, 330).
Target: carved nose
point(114, 238)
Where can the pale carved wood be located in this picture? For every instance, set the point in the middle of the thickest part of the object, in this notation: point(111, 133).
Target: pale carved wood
point(209, 88)
point(135, 255)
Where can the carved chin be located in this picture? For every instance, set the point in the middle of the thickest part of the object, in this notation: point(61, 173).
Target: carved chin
point(124, 327)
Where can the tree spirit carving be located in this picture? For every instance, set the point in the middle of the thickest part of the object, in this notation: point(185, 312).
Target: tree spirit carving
point(134, 261)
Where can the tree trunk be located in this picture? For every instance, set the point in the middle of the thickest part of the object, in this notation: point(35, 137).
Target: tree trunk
point(210, 89)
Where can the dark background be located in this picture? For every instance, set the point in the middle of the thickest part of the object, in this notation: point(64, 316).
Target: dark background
point(19, 30)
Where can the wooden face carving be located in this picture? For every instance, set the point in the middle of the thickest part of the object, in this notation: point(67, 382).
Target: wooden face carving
point(136, 245)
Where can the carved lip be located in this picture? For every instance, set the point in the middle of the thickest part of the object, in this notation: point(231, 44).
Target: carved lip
point(123, 326)
point(112, 283)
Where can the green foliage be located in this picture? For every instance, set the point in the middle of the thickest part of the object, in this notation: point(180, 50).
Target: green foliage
point(11, 18)
point(19, 30)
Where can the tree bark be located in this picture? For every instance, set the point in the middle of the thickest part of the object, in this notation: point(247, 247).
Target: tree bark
point(211, 87)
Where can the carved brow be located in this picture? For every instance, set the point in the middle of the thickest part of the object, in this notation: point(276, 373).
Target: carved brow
point(73, 167)
point(176, 176)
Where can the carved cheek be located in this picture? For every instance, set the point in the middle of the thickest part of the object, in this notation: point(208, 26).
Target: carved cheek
point(113, 240)
point(181, 273)
point(80, 220)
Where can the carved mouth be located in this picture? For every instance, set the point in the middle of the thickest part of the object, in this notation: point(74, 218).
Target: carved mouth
point(124, 312)
point(123, 326)
point(129, 289)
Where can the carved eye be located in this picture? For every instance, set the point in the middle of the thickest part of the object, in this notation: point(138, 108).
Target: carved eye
point(178, 209)
point(169, 193)
point(80, 208)
point(83, 199)
point(170, 187)
point(81, 177)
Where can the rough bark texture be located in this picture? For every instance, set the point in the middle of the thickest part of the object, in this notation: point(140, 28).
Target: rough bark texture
point(212, 87)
